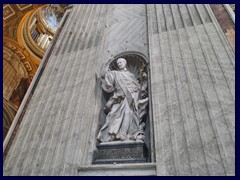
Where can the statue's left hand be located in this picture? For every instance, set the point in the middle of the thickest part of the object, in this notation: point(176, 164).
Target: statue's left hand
point(144, 94)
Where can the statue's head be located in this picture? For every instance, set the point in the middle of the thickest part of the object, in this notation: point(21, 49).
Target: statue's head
point(121, 62)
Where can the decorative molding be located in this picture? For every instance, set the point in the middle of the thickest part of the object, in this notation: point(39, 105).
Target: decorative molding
point(23, 55)
point(28, 39)
point(23, 6)
point(28, 66)
point(31, 76)
point(8, 12)
point(20, 55)
point(140, 169)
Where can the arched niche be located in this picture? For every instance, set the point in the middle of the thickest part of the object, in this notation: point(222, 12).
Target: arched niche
point(137, 64)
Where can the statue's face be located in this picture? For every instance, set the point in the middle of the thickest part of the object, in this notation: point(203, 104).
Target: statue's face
point(121, 63)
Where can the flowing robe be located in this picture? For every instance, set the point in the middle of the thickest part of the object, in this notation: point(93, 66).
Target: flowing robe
point(123, 121)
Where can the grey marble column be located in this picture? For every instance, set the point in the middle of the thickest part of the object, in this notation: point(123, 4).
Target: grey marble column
point(192, 80)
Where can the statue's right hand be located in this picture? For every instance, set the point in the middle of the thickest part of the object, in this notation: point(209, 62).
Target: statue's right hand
point(104, 69)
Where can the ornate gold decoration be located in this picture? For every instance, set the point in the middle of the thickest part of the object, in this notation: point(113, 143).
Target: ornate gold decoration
point(22, 54)
point(7, 12)
point(24, 6)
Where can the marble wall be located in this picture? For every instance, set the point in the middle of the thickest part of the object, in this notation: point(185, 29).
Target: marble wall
point(192, 79)
point(192, 71)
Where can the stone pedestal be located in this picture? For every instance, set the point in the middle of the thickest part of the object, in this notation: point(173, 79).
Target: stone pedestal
point(119, 152)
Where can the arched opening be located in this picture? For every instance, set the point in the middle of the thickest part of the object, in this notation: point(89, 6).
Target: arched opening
point(137, 64)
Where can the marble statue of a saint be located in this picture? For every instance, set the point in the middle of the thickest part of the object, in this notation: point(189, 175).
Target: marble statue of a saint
point(126, 107)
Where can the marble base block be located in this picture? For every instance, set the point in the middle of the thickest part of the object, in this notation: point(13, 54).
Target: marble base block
point(119, 152)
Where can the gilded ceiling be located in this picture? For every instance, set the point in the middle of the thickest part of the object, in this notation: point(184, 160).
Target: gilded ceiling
point(27, 32)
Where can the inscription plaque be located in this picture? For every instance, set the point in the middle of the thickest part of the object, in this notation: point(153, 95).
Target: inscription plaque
point(120, 152)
